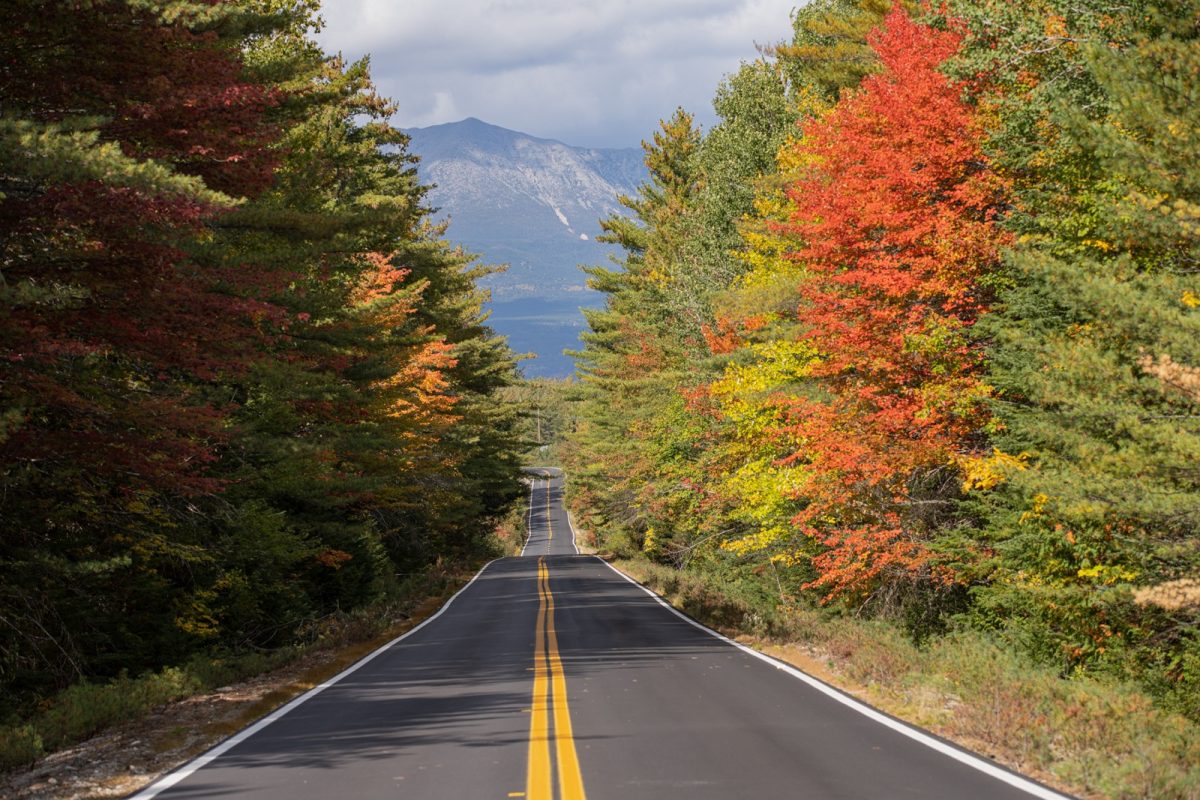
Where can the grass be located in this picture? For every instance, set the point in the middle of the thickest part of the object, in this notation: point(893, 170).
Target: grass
point(1093, 737)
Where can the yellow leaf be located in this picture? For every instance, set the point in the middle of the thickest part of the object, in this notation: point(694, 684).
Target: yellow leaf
point(989, 472)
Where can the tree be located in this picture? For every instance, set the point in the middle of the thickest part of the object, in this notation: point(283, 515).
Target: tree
point(829, 50)
point(1094, 343)
point(632, 352)
point(245, 382)
point(126, 130)
point(664, 367)
point(896, 207)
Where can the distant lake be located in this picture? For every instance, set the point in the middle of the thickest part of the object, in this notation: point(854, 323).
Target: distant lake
point(545, 327)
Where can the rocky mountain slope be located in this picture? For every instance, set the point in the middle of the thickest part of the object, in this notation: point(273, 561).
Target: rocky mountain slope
point(534, 204)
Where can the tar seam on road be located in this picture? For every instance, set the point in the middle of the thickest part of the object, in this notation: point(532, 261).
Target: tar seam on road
point(970, 759)
point(174, 777)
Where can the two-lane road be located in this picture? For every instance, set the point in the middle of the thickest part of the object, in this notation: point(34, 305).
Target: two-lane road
point(552, 676)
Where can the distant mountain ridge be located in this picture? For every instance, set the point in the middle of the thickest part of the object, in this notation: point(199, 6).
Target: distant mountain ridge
point(534, 204)
point(530, 202)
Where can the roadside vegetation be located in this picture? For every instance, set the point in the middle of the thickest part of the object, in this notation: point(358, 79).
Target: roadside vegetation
point(248, 400)
point(87, 708)
point(903, 351)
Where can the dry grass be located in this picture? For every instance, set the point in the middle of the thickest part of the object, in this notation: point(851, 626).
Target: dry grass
point(1172, 595)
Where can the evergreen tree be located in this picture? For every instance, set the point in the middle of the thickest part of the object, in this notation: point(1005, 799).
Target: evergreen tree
point(1094, 348)
point(246, 383)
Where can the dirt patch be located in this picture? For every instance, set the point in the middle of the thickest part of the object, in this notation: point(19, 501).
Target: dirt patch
point(131, 756)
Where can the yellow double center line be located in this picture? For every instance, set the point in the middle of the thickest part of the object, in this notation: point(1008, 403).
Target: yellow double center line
point(550, 683)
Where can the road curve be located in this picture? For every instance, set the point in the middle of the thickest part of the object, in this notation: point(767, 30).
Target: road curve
point(551, 677)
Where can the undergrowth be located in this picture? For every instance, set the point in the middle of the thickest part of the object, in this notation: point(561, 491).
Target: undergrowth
point(85, 709)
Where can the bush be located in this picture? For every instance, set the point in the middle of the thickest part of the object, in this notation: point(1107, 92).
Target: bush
point(20, 745)
point(82, 710)
point(86, 708)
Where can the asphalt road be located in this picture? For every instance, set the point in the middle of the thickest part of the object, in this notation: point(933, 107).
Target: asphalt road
point(552, 676)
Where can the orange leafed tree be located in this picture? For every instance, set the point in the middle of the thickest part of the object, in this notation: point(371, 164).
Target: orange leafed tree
point(417, 394)
point(895, 211)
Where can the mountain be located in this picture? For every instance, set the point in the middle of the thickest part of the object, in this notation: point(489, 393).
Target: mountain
point(534, 204)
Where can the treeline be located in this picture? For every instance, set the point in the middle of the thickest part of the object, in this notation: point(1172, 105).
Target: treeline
point(244, 383)
point(912, 331)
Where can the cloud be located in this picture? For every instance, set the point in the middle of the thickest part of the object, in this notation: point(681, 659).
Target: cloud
point(590, 74)
point(444, 109)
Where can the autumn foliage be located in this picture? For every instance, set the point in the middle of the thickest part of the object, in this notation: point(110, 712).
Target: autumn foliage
point(927, 351)
point(243, 381)
point(895, 211)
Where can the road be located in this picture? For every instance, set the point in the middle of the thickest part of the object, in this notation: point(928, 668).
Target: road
point(553, 676)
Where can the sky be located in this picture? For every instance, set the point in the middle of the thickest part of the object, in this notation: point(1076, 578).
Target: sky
point(599, 73)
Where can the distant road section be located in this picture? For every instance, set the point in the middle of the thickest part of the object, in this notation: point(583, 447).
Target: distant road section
point(553, 677)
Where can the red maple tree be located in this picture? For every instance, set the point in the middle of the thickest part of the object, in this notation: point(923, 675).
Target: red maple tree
point(896, 212)
point(113, 329)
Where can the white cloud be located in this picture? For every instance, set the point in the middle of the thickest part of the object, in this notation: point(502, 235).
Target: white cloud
point(444, 110)
point(590, 74)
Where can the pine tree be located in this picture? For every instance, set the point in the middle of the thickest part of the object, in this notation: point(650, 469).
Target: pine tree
point(1094, 346)
point(126, 131)
point(245, 382)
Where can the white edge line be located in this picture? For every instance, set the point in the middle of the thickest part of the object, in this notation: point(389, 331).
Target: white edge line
point(562, 474)
point(172, 778)
point(567, 511)
point(529, 517)
point(962, 756)
point(971, 760)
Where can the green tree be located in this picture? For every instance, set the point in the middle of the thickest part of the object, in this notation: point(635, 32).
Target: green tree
point(1094, 345)
point(247, 383)
point(829, 51)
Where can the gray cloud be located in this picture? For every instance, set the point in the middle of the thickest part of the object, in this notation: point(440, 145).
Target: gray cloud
point(591, 74)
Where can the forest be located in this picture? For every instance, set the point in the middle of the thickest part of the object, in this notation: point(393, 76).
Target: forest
point(245, 385)
point(911, 334)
